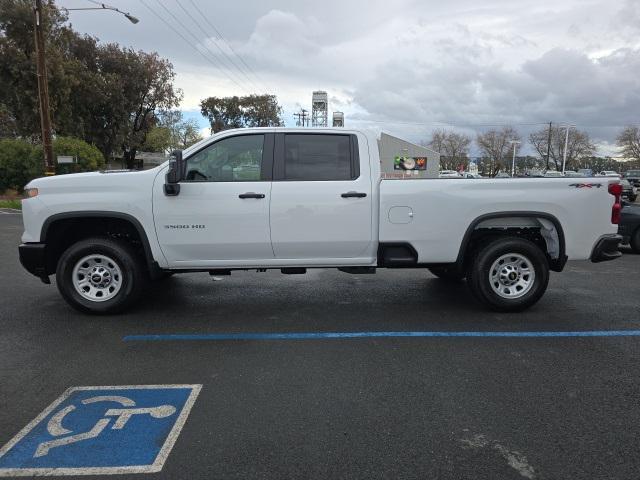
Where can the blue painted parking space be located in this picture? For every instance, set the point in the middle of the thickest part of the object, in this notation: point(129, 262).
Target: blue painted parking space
point(101, 430)
point(376, 334)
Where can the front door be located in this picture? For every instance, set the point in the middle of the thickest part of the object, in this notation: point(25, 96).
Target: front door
point(221, 215)
point(321, 199)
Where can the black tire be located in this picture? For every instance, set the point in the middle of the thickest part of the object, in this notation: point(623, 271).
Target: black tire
point(634, 243)
point(480, 283)
point(130, 275)
point(450, 274)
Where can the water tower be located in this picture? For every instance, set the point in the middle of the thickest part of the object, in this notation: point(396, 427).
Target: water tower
point(338, 119)
point(319, 109)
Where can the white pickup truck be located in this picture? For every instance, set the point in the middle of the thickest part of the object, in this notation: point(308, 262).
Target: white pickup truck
point(293, 199)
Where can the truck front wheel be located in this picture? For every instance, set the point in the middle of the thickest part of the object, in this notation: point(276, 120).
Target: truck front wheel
point(99, 275)
point(509, 274)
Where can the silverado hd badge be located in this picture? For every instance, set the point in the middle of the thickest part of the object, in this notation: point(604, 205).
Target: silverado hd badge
point(184, 227)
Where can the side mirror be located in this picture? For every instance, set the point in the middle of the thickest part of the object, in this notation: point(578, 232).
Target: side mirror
point(174, 174)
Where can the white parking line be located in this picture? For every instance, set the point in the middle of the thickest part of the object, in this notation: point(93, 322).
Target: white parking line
point(10, 211)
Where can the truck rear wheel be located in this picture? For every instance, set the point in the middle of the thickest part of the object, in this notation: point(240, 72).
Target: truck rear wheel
point(509, 274)
point(99, 275)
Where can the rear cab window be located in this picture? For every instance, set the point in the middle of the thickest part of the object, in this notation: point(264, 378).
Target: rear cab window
point(316, 157)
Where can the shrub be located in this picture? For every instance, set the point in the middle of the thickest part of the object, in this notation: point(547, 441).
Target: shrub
point(88, 157)
point(20, 161)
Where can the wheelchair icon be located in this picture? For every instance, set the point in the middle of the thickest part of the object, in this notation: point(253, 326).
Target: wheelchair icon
point(121, 415)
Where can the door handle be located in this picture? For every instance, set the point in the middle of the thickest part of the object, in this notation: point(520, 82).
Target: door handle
point(251, 195)
point(354, 194)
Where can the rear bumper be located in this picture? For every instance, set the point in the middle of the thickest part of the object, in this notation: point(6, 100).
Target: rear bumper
point(33, 259)
point(607, 248)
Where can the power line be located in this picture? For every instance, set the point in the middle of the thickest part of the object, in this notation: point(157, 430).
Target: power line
point(206, 19)
point(448, 124)
point(191, 44)
point(196, 40)
point(197, 23)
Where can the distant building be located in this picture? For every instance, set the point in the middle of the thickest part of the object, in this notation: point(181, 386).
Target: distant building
point(402, 159)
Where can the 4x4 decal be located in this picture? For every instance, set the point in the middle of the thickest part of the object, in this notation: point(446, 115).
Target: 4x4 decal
point(585, 185)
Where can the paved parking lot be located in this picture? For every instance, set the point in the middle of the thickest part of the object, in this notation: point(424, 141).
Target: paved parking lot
point(372, 407)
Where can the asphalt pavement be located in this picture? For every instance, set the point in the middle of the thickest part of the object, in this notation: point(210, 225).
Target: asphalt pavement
point(538, 407)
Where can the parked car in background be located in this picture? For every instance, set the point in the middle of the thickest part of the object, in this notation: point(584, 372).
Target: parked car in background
point(633, 176)
point(629, 191)
point(609, 173)
point(553, 174)
point(572, 174)
point(587, 172)
point(629, 226)
point(502, 175)
point(449, 174)
point(470, 175)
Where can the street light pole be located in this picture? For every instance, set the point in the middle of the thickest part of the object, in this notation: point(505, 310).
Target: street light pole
point(566, 143)
point(513, 161)
point(43, 91)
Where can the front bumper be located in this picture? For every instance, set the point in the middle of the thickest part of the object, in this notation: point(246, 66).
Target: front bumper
point(33, 259)
point(607, 248)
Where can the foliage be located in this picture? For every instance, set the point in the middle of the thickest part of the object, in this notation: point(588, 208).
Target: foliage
point(103, 93)
point(453, 148)
point(158, 140)
point(237, 112)
point(496, 146)
point(17, 204)
point(172, 133)
point(579, 146)
point(629, 142)
point(88, 157)
point(20, 161)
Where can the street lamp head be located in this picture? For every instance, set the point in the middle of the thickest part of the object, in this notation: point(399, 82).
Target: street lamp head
point(131, 18)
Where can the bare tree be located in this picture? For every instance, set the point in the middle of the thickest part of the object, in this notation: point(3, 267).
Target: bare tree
point(629, 142)
point(495, 146)
point(453, 148)
point(579, 145)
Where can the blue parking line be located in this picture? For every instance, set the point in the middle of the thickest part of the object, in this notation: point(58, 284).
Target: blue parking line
point(323, 335)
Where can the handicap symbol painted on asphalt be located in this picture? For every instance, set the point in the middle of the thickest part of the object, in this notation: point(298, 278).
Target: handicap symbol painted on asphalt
point(101, 430)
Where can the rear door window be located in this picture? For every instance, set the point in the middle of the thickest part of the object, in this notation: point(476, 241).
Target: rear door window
point(318, 157)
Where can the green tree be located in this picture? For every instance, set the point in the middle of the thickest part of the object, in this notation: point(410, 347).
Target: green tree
point(224, 113)
point(103, 93)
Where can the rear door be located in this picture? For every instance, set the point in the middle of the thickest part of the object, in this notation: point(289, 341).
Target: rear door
point(221, 216)
point(321, 198)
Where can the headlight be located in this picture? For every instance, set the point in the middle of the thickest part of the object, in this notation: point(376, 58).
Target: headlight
point(31, 192)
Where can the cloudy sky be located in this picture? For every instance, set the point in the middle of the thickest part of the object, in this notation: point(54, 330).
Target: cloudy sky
point(405, 67)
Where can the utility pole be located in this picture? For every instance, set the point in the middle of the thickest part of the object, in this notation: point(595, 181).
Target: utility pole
point(566, 144)
point(302, 117)
point(513, 161)
point(43, 91)
point(548, 146)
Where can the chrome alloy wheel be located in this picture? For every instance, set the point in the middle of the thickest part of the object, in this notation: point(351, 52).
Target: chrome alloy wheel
point(512, 275)
point(97, 278)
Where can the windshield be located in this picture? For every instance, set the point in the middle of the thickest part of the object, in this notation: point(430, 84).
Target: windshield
point(633, 173)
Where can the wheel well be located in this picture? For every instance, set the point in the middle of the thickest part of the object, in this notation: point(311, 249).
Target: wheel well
point(60, 234)
point(543, 231)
